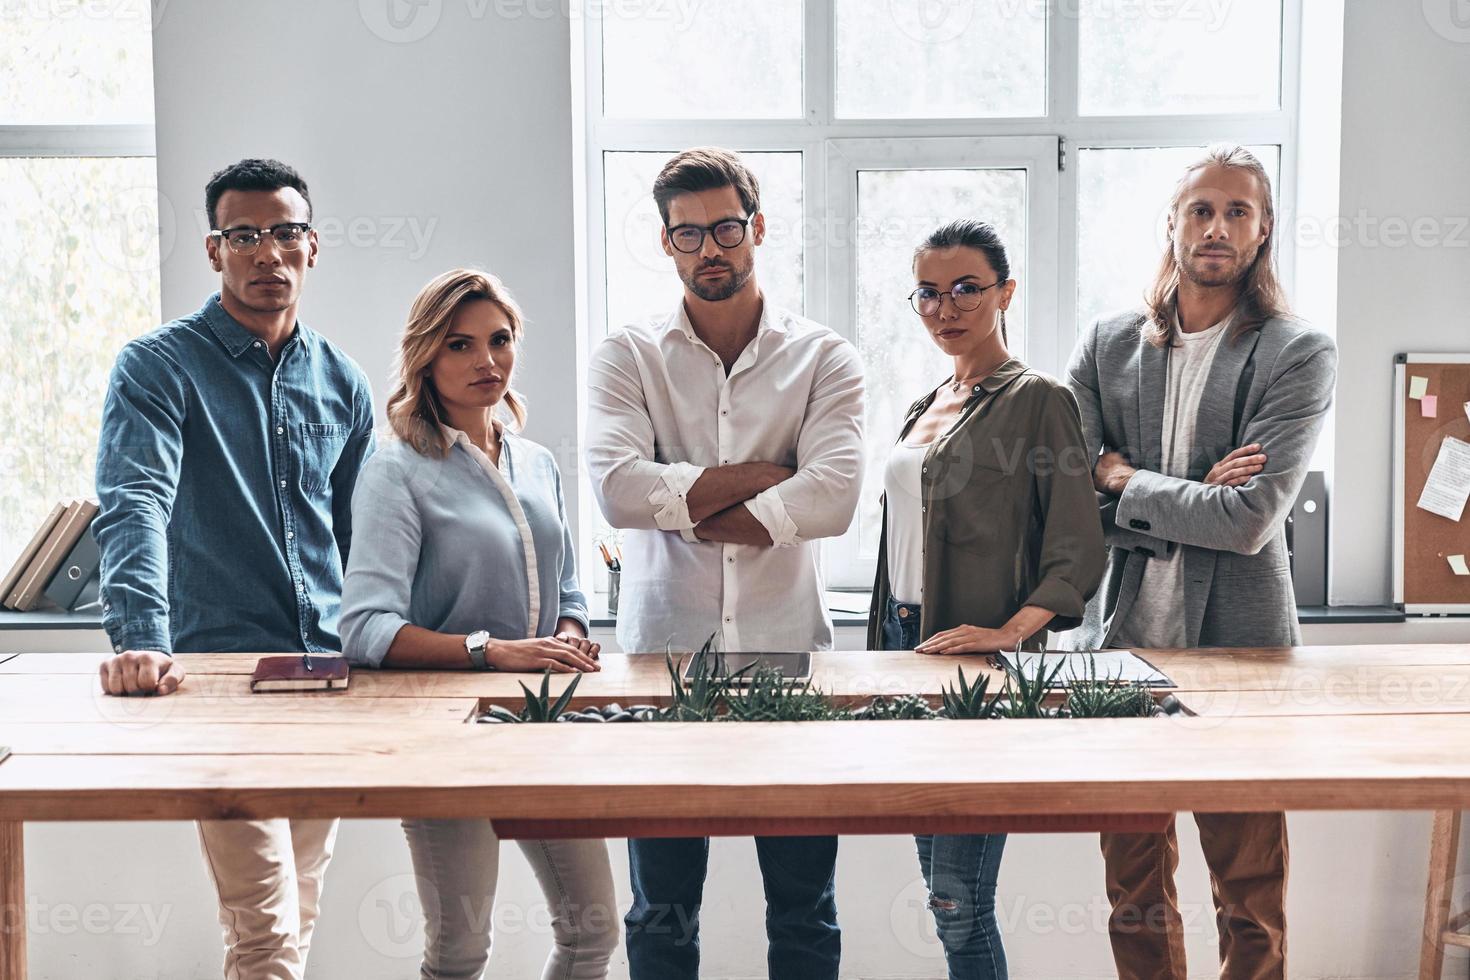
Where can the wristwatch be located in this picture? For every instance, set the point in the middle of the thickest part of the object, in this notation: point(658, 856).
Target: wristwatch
point(475, 645)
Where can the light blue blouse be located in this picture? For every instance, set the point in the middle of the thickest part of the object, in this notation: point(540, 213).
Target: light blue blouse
point(457, 545)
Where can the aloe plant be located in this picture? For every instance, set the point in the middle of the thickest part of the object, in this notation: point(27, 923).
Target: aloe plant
point(1026, 697)
point(1091, 696)
point(768, 696)
point(700, 698)
point(540, 708)
point(966, 702)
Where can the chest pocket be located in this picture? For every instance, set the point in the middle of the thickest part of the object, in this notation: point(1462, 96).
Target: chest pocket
point(321, 446)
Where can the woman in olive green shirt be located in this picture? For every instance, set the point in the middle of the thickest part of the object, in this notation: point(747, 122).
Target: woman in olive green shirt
point(991, 533)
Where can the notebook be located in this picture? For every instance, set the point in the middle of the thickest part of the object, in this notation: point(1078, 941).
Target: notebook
point(288, 673)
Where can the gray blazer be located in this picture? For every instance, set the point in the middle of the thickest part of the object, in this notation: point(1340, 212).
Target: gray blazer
point(1271, 386)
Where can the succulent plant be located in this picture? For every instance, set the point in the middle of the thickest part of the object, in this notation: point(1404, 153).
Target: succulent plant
point(769, 696)
point(1025, 697)
point(539, 708)
point(901, 707)
point(1091, 696)
point(965, 702)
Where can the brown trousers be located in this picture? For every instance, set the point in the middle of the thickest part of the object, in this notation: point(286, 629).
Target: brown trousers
point(1247, 858)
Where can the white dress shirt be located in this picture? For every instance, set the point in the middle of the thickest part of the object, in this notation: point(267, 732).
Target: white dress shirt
point(660, 411)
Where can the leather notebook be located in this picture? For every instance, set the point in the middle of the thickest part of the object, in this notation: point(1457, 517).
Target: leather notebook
point(289, 673)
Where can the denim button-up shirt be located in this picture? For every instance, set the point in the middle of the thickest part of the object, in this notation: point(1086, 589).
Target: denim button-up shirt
point(225, 481)
point(457, 545)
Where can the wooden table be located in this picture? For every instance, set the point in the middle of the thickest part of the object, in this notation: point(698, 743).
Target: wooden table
point(1313, 728)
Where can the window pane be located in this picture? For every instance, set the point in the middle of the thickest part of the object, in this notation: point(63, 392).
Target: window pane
point(78, 279)
point(1122, 214)
point(897, 209)
point(1179, 56)
point(940, 58)
point(641, 281)
point(74, 63)
point(723, 60)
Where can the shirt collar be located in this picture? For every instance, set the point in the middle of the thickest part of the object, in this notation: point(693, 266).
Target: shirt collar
point(772, 319)
point(235, 338)
point(1008, 371)
point(460, 437)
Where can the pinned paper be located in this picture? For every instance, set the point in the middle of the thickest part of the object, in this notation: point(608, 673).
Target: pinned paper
point(1449, 481)
point(1418, 386)
point(1467, 410)
point(1429, 406)
point(1457, 562)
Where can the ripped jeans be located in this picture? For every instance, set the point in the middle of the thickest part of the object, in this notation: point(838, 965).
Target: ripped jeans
point(960, 870)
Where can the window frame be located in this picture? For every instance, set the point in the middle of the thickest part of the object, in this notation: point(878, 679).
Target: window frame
point(820, 136)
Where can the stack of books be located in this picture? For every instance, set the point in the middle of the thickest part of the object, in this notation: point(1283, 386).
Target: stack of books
point(58, 564)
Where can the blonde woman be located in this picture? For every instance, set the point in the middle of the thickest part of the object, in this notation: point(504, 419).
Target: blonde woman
point(462, 559)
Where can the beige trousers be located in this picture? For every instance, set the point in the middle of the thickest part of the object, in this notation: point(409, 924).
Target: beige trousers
point(268, 875)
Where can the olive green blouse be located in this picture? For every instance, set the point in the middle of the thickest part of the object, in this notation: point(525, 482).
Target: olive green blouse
point(1009, 510)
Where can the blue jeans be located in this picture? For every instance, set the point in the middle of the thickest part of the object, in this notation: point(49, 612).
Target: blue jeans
point(960, 870)
point(668, 886)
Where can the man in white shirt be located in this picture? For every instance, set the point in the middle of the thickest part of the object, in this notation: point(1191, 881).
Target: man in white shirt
point(726, 439)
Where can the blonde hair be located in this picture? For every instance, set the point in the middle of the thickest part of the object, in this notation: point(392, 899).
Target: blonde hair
point(1262, 297)
point(415, 412)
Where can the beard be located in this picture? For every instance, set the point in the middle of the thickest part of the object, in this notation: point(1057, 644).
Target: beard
point(714, 292)
point(1226, 275)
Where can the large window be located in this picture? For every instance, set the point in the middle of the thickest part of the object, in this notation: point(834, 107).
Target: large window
point(78, 238)
point(870, 122)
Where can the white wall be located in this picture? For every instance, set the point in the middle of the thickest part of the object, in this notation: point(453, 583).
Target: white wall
point(468, 129)
point(1405, 153)
point(443, 143)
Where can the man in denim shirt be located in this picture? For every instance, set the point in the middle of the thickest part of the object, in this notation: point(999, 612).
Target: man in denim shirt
point(231, 442)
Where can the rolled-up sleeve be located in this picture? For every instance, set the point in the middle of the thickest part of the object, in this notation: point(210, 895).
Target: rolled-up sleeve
point(377, 589)
point(632, 489)
point(820, 500)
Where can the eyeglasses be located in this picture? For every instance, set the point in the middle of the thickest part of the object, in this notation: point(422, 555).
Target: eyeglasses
point(690, 238)
point(966, 296)
point(245, 240)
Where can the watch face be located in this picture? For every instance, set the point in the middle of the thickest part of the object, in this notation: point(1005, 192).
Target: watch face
point(477, 640)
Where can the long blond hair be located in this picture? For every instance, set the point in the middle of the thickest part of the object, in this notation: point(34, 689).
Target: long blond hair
point(1262, 296)
point(415, 411)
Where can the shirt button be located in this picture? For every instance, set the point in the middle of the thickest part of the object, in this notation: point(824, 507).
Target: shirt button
point(730, 560)
point(280, 430)
point(728, 619)
point(290, 534)
point(283, 483)
point(257, 343)
point(724, 411)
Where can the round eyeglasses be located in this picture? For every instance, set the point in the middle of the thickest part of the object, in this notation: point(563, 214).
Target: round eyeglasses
point(245, 240)
point(966, 296)
point(690, 238)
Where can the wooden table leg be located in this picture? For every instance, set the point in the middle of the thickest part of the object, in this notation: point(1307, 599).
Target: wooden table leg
point(12, 900)
point(1444, 850)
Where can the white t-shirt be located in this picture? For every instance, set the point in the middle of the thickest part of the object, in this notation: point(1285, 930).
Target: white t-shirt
point(1156, 618)
point(904, 493)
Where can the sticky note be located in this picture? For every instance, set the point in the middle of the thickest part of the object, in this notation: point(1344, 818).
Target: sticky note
point(1418, 386)
point(1429, 406)
point(1457, 562)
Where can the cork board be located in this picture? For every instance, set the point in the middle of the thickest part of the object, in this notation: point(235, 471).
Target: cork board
point(1424, 580)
